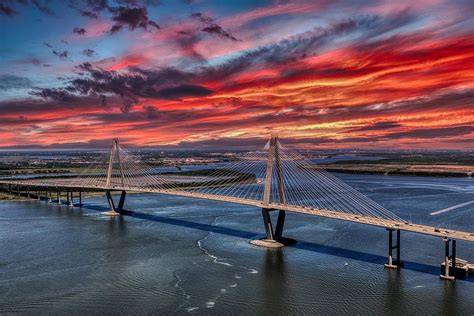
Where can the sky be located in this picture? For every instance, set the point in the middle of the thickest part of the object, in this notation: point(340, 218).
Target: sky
point(224, 74)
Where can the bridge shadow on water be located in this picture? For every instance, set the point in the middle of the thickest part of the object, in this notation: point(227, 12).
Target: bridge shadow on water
point(302, 245)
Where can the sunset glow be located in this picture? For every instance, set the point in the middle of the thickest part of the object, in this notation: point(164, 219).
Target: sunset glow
point(324, 74)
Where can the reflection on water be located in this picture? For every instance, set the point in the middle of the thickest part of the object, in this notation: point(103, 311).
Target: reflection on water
point(393, 299)
point(117, 227)
point(178, 256)
point(450, 300)
point(273, 282)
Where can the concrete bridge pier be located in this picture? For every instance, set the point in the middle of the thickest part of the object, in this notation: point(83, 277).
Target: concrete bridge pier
point(274, 238)
point(48, 196)
point(114, 211)
point(447, 256)
point(72, 199)
point(68, 198)
point(267, 221)
point(393, 264)
point(276, 234)
point(59, 197)
point(80, 199)
point(280, 224)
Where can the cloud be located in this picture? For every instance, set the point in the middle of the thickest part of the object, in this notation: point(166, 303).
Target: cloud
point(212, 27)
point(151, 112)
point(90, 14)
point(180, 91)
point(216, 29)
point(138, 83)
point(221, 143)
point(46, 107)
point(79, 31)
point(6, 10)
point(294, 48)
point(42, 7)
point(429, 133)
point(187, 42)
point(165, 84)
point(379, 126)
point(202, 18)
point(28, 61)
point(97, 144)
point(9, 82)
point(154, 24)
point(88, 52)
point(137, 3)
point(131, 14)
point(368, 79)
point(54, 94)
point(96, 5)
point(131, 17)
point(61, 55)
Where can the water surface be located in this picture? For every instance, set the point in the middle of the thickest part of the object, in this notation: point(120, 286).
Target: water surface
point(182, 256)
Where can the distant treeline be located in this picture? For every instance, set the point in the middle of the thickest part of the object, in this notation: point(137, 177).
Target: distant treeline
point(32, 171)
point(418, 159)
point(398, 172)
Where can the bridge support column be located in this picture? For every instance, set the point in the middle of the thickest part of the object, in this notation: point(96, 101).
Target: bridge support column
point(449, 264)
point(72, 198)
point(68, 198)
point(48, 194)
point(80, 198)
point(114, 211)
point(267, 221)
point(393, 264)
point(280, 224)
point(111, 202)
point(59, 197)
point(274, 238)
point(122, 201)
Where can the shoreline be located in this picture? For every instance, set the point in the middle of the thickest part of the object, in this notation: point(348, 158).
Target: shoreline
point(402, 170)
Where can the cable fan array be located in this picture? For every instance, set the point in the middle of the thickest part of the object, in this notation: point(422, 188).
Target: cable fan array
point(295, 180)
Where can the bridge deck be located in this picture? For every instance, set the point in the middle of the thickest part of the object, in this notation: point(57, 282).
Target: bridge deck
point(390, 224)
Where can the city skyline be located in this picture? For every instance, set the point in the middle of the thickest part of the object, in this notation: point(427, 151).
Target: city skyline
point(200, 74)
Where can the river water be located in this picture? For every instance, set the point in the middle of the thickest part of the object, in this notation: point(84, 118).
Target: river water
point(178, 255)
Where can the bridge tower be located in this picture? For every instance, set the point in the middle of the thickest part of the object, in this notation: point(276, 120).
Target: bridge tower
point(109, 183)
point(274, 169)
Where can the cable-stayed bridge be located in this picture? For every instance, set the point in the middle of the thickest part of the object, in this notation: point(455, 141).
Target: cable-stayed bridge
point(274, 179)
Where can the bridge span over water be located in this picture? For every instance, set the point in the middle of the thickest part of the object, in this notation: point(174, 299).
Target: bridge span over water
point(274, 179)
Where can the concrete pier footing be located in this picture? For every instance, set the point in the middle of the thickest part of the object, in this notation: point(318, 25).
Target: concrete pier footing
point(270, 243)
point(111, 213)
point(449, 260)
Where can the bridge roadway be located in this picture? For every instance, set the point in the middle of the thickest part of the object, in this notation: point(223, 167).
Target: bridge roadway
point(361, 219)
